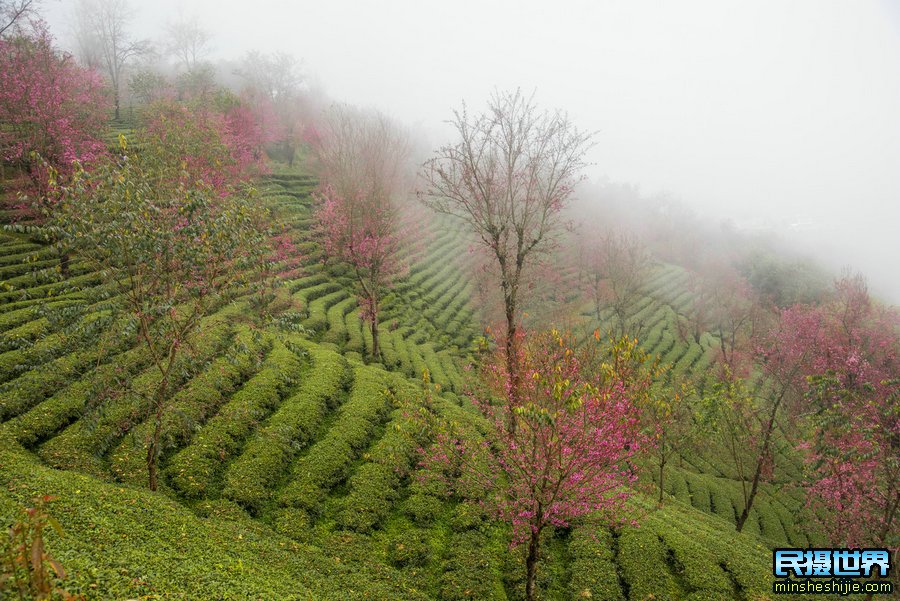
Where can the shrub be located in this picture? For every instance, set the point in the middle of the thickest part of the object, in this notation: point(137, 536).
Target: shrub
point(328, 460)
point(642, 559)
point(467, 516)
point(424, 509)
point(695, 565)
point(374, 486)
point(251, 478)
point(293, 522)
point(48, 417)
point(409, 549)
point(82, 445)
point(593, 565)
point(190, 406)
point(195, 469)
point(468, 572)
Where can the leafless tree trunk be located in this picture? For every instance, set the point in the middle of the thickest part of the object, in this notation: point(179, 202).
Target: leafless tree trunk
point(102, 34)
point(13, 12)
point(508, 175)
point(187, 41)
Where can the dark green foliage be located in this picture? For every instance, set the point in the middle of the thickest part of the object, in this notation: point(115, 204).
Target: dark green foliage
point(467, 569)
point(250, 479)
point(328, 460)
point(82, 445)
point(190, 407)
point(194, 471)
point(410, 549)
point(642, 558)
point(467, 516)
point(375, 484)
point(593, 565)
point(423, 508)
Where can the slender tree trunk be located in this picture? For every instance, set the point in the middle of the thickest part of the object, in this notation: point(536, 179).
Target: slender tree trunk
point(534, 549)
point(376, 348)
point(64, 264)
point(512, 367)
point(662, 474)
point(153, 447)
point(757, 473)
point(722, 348)
point(116, 100)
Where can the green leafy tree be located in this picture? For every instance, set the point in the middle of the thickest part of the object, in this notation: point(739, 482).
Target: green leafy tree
point(171, 247)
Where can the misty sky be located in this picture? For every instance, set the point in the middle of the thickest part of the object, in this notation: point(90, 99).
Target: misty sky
point(778, 111)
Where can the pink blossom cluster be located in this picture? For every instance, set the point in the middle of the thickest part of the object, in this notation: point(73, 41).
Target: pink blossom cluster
point(367, 235)
point(49, 105)
point(843, 357)
point(221, 149)
point(563, 452)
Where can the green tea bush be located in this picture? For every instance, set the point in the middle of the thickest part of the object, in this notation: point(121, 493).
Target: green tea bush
point(190, 406)
point(82, 445)
point(328, 460)
point(697, 566)
point(642, 559)
point(194, 470)
point(50, 416)
point(593, 565)
point(318, 310)
point(293, 522)
point(375, 485)
point(251, 478)
point(468, 568)
point(409, 549)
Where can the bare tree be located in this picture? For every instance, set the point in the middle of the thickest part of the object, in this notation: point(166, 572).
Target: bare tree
point(87, 44)
point(617, 265)
point(697, 316)
point(508, 177)
point(187, 42)
point(13, 12)
point(102, 35)
point(738, 316)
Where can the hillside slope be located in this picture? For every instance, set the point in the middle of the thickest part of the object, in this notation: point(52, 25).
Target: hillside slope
point(290, 467)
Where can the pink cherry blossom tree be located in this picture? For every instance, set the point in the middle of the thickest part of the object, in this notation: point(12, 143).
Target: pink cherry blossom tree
point(362, 164)
point(220, 147)
point(568, 454)
point(853, 382)
point(50, 108)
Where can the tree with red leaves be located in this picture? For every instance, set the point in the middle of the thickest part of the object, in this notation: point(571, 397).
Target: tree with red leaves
point(362, 162)
point(576, 429)
point(49, 106)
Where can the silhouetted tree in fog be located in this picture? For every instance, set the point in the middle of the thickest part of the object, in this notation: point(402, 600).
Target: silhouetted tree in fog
point(508, 176)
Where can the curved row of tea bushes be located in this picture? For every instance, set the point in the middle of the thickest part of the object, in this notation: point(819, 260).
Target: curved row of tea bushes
point(251, 478)
point(328, 460)
point(194, 471)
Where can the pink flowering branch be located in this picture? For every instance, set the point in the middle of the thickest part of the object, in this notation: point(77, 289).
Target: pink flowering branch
point(569, 450)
